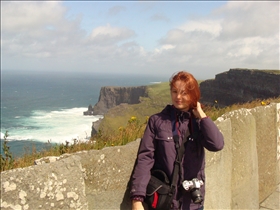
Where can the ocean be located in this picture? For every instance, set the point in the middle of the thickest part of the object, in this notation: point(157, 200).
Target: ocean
point(42, 107)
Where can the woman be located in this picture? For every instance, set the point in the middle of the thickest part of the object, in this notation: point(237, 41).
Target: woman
point(157, 150)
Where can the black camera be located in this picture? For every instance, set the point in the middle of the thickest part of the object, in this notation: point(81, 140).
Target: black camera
point(193, 186)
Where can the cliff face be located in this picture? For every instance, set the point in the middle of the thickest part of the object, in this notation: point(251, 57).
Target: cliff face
point(113, 96)
point(239, 86)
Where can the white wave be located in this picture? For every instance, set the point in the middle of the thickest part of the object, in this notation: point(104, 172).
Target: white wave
point(55, 126)
point(20, 138)
point(42, 116)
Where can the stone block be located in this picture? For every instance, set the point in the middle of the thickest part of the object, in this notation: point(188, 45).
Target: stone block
point(266, 139)
point(244, 182)
point(218, 171)
point(57, 185)
point(107, 173)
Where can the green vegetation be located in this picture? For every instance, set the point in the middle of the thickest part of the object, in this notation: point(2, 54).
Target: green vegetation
point(120, 125)
point(159, 96)
point(271, 71)
point(6, 161)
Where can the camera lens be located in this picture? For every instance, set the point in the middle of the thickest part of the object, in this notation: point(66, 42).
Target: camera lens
point(196, 196)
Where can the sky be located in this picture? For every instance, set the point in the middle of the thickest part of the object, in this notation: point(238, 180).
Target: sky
point(204, 38)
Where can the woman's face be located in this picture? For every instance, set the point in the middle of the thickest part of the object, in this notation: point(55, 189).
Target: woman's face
point(179, 96)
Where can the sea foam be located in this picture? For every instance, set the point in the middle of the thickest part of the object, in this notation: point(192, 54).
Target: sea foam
point(56, 126)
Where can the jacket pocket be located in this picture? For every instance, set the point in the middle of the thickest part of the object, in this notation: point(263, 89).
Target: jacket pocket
point(164, 136)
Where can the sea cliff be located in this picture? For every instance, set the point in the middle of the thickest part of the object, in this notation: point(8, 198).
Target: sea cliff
point(240, 86)
point(113, 96)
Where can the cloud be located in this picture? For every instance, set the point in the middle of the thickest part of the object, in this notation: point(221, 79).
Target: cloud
point(41, 29)
point(239, 34)
point(243, 19)
point(21, 16)
point(110, 35)
point(116, 10)
point(42, 35)
point(38, 29)
point(159, 17)
point(213, 28)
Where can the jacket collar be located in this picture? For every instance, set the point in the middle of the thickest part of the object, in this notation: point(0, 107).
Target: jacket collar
point(181, 115)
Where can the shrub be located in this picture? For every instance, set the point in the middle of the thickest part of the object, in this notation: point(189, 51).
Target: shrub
point(7, 160)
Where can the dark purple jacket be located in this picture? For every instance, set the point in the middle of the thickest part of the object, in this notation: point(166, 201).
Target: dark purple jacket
point(157, 150)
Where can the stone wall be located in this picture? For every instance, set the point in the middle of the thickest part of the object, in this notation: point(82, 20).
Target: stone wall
point(240, 86)
point(240, 176)
point(57, 185)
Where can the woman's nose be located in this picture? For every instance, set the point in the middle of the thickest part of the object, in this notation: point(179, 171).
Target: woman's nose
point(179, 95)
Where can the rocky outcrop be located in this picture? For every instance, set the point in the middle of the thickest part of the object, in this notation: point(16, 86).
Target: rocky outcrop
point(113, 96)
point(241, 176)
point(239, 86)
point(89, 111)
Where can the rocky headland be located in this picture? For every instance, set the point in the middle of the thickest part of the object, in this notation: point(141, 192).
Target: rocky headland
point(240, 86)
point(112, 96)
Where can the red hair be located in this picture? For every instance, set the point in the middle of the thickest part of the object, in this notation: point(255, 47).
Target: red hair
point(191, 86)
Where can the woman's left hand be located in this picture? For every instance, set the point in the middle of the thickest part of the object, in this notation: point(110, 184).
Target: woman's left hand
point(198, 112)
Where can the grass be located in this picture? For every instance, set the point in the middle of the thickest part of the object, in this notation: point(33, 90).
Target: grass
point(121, 125)
point(215, 112)
point(271, 71)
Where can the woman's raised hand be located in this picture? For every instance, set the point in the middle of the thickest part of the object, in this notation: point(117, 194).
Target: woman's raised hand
point(198, 112)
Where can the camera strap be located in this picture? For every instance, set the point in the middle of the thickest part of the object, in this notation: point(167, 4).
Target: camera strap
point(179, 149)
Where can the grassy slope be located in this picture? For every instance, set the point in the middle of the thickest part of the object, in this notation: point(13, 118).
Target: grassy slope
point(116, 117)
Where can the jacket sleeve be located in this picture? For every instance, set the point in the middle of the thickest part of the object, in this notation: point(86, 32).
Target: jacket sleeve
point(145, 161)
point(212, 139)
